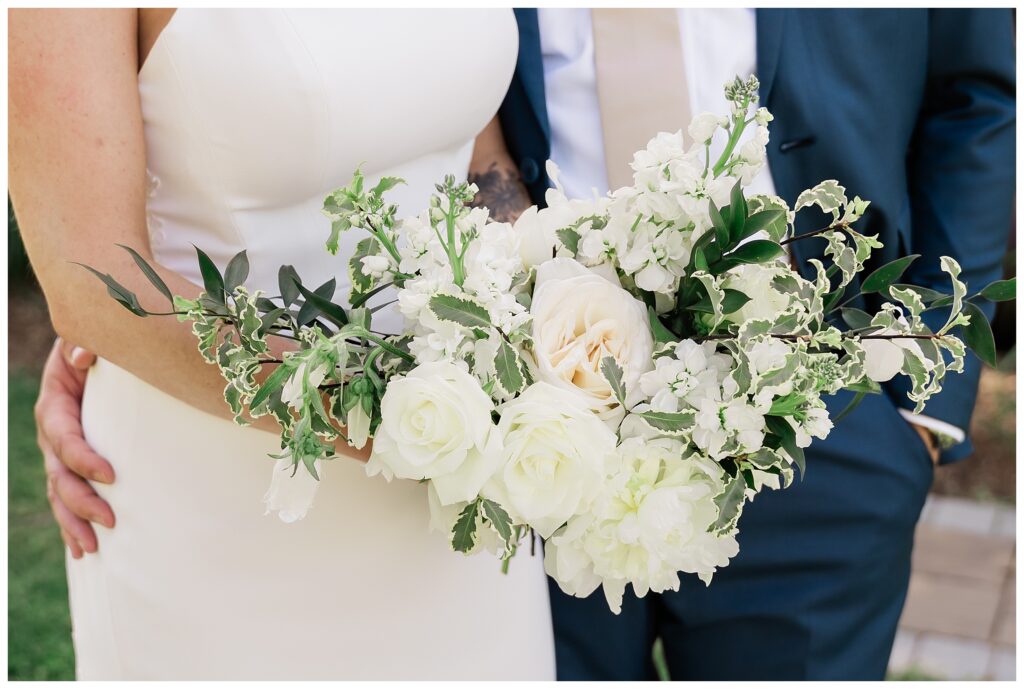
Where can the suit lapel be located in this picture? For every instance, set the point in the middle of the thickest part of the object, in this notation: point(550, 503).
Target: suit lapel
point(531, 66)
point(769, 42)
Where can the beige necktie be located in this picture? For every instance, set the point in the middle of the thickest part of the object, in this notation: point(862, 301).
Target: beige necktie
point(641, 82)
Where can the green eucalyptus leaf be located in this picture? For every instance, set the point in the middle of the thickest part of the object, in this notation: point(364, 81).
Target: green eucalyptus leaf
point(718, 222)
point(978, 334)
point(881, 279)
point(737, 213)
point(120, 293)
point(865, 385)
point(148, 271)
point(756, 251)
point(763, 221)
point(1001, 290)
point(320, 299)
point(236, 272)
point(288, 282)
point(855, 318)
point(270, 318)
point(733, 301)
point(213, 281)
point(658, 329)
point(273, 383)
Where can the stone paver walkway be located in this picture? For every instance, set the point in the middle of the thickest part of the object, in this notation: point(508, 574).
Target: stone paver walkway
point(959, 620)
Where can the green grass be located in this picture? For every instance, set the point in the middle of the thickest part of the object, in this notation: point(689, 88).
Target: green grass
point(38, 624)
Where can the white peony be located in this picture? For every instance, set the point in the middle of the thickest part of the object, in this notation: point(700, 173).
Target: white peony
point(436, 424)
point(579, 318)
point(651, 522)
point(555, 455)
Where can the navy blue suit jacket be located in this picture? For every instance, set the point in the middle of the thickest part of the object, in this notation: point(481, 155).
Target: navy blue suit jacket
point(912, 109)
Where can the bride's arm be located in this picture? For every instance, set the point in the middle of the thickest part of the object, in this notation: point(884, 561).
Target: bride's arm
point(77, 181)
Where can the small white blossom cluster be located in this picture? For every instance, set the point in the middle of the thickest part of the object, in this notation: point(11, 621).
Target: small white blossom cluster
point(491, 266)
point(618, 375)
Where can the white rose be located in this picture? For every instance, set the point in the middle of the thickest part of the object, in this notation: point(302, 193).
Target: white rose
point(555, 455)
point(579, 318)
point(436, 424)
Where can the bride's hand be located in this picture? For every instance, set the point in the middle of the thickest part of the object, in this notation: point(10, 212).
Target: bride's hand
point(68, 458)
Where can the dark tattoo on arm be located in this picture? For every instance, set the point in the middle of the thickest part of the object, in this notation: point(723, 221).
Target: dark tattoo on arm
point(501, 192)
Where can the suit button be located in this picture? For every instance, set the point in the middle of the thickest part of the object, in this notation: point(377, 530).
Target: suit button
point(529, 169)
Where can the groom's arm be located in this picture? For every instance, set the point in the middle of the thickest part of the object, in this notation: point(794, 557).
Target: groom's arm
point(501, 190)
point(961, 175)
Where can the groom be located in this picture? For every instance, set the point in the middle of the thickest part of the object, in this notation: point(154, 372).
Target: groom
point(912, 109)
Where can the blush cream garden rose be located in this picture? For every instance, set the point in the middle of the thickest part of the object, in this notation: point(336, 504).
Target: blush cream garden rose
point(579, 319)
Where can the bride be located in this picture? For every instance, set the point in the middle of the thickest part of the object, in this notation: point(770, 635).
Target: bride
point(160, 129)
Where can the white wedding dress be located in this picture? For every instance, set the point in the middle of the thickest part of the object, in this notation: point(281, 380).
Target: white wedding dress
point(251, 117)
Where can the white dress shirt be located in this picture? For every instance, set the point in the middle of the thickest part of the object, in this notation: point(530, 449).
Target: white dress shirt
point(717, 45)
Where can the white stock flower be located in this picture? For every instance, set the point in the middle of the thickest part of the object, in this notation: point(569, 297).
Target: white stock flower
point(767, 355)
point(815, 424)
point(555, 455)
point(694, 372)
point(291, 491)
point(375, 266)
point(579, 318)
point(436, 424)
point(729, 422)
point(293, 391)
point(357, 426)
point(703, 127)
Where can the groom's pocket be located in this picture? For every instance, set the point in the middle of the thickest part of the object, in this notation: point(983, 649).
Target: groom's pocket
point(879, 454)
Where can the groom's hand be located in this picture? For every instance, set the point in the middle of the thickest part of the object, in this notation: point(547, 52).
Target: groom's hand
point(929, 440)
point(68, 458)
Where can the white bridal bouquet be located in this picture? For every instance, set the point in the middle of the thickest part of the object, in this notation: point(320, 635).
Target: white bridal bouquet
point(619, 375)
